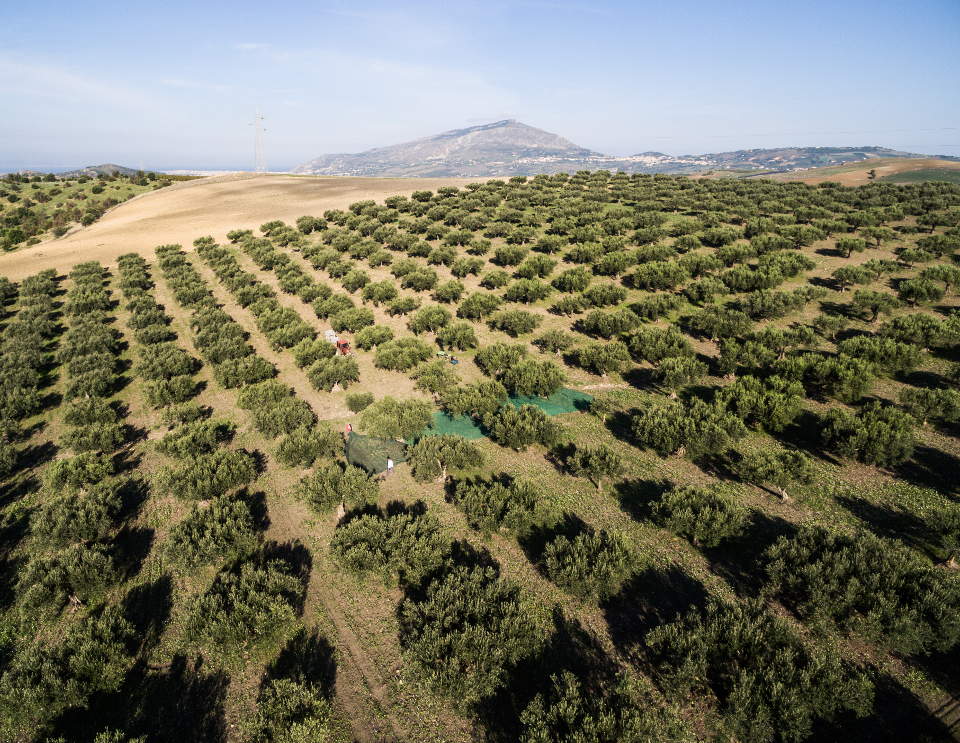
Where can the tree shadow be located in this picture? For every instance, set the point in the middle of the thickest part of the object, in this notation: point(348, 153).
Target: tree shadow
point(297, 559)
point(739, 560)
point(167, 704)
point(641, 377)
point(927, 379)
point(179, 703)
point(897, 715)
point(804, 434)
point(931, 468)
point(838, 309)
point(147, 607)
point(308, 658)
point(942, 668)
point(890, 522)
point(654, 596)
point(126, 460)
point(35, 455)
point(133, 494)
point(636, 496)
point(619, 424)
point(257, 503)
point(9, 571)
point(536, 539)
point(130, 548)
point(133, 434)
point(461, 554)
point(570, 647)
point(259, 460)
point(18, 489)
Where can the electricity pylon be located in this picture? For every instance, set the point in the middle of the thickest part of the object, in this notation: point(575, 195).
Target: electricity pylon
point(260, 162)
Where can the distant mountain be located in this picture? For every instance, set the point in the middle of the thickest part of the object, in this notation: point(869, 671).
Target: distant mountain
point(93, 171)
point(509, 147)
point(792, 158)
point(499, 148)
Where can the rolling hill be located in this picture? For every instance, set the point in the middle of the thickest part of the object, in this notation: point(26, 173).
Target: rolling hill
point(509, 147)
point(93, 171)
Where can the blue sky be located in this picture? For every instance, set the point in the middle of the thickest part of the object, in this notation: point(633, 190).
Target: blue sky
point(174, 84)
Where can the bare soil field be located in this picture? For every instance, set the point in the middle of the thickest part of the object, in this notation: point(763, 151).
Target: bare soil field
point(855, 174)
point(208, 206)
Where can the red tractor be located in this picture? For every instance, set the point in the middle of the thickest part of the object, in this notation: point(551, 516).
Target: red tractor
point(343, 347)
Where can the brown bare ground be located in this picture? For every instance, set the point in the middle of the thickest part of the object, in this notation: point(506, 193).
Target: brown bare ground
point(208, 206)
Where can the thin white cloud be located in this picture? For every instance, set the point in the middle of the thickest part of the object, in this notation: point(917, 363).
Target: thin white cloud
point(251, 46)
point(48, 81)
point(196, 85)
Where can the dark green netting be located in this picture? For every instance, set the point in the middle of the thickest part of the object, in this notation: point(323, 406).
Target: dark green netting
point(370, 453)
point(562, 401)
point(444, 424)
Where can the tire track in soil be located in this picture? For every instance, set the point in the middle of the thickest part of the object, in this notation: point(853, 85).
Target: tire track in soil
point(362, 672)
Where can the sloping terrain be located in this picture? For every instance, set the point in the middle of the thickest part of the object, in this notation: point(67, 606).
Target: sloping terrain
point(93, 171)
point(748, 535)
point(207, 206)
point(857, 174)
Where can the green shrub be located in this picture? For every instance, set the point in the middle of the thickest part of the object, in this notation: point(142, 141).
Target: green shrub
point(432, 456)
point(326, 374)
point(528, 377)
point(405, 546)
point(477, 400)
point(574, 710)
point(303, 446)
point(705, 516)
point(373, 335)
point(595, 462)
point(460, 336)
point(234, 373)
point(768, 683)
point(466, 632)
point(94, 437)
point(79, 572)
point(199, 437)
point(208, 475)
point(514, 322)
point(79, 518)
point(520, 428)
point(502, 502)
point(333, 484)
point(396, 419)
point(173, 391)
point(51, 676)
point(245, 608)
point(869, 587)
point(592, 566)
point(215, 534)
point(876, 434)
point(291, 711)
point(357, 401)
point(401, 354)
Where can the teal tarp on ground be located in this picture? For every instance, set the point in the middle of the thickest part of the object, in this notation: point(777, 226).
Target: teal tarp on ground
point(562, 401)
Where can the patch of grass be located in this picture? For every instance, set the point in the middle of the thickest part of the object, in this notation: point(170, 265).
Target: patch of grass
point(943, 175)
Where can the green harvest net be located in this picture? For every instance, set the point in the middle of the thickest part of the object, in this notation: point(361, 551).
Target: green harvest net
point(370, 453)
point(562, 401)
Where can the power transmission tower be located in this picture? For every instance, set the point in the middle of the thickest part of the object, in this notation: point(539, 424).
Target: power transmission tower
point(260, 162)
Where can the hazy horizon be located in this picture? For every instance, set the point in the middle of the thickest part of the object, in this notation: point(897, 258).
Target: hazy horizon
point(175, 87)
